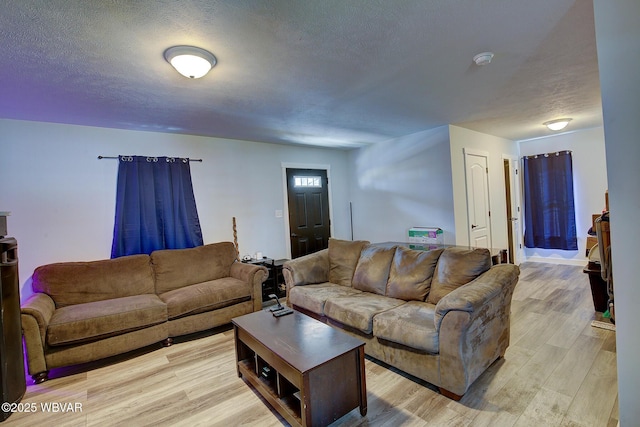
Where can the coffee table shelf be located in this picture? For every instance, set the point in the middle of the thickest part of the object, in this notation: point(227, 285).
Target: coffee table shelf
point(286, 404)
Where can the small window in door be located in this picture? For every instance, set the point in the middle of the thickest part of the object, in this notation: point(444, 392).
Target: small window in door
point(307, 181)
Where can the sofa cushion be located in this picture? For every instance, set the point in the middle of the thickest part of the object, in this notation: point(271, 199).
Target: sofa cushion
point(314, 297)
point(101, 319)
point(357, 311)
point(411, 273)
point(206, 296)
point(372, 270)
point(343, 258)
point(70, 283)
point(457, 267)
point(411, 324)
point(175, 268)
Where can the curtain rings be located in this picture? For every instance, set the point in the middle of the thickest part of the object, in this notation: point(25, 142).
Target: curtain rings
point(152, 159)
point(556, 153)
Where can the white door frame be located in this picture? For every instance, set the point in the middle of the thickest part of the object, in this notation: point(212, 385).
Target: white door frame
point(285, 166)
point(480, 153)
point(516, 197)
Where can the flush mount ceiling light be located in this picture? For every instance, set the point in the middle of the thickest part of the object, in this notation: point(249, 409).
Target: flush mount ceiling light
point(483, 58)
point(190, 61)
point(558, 124)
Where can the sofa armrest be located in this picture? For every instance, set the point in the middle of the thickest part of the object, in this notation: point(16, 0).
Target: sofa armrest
point(254, 275)
point(307, 270)
point(473, 324)
point(35, 315)
point(499, 280)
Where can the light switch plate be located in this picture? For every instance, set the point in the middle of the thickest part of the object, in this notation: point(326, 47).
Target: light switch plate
point(278, 213)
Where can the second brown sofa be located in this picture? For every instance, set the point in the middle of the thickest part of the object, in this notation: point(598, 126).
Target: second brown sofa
point(440, 315)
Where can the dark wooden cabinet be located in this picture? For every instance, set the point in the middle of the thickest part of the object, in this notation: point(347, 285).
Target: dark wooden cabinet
point(12, 379)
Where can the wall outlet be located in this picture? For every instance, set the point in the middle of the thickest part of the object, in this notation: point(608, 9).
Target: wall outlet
point(278, 213)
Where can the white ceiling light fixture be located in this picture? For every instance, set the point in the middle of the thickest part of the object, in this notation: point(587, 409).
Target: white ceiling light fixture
point(558, 124)
point(190, 61)
point(483, 58)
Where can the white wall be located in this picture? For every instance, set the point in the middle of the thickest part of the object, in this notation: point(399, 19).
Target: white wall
point(589, 186)
point(62, 198)
point(618, 42)
point(496, 147)
point(402, 183)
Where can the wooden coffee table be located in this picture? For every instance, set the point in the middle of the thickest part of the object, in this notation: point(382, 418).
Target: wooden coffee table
point(311, 373)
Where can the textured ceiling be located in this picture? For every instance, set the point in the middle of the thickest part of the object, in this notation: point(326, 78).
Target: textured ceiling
point(330, 73)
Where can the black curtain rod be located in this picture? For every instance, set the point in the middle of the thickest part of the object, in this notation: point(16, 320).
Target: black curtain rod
point(118, 157)
point(554, 153)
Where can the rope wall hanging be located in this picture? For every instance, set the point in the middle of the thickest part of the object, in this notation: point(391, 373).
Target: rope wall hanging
point(235, 239)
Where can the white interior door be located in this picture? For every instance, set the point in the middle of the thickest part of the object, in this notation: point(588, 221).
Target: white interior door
point(479, 211)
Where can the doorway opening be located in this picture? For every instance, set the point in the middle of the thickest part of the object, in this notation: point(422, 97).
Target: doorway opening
point(308, 210)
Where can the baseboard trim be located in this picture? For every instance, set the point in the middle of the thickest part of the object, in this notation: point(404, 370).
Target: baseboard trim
point(603, 325)
point(551, 260)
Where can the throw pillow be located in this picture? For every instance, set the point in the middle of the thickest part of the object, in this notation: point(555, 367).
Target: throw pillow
point(372, 270)
point(343, 258)
point(457, 267)
point(411, 273)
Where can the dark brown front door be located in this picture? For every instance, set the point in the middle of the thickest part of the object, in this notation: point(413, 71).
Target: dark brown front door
point(309, 223)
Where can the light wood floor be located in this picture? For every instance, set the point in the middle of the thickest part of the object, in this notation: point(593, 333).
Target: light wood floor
point(558, 371)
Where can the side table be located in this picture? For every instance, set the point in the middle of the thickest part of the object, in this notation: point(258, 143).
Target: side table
point(274, 284)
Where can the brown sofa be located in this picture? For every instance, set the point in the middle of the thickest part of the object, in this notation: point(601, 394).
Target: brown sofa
point(440, 315)
point(85, 311)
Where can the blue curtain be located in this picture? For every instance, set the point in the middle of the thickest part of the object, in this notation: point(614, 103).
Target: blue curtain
point(155, 206)
point(549, 215)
